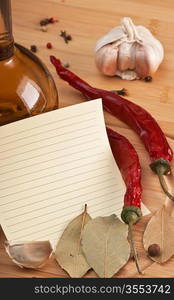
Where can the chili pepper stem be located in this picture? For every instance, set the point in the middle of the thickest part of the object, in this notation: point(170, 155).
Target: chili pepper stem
point(164, 186)
point(162, 167)
point(131, 215)
point(134, 249)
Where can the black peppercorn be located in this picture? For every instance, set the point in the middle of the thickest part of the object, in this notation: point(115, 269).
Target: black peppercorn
point(44, 22)
point(33, 48)
point(148, 79)
point(69, 37)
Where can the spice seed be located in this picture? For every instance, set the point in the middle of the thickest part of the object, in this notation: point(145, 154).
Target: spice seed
point(148, 79)
point(53, 20)
point(67, 65)
point(63, 33)
point(44, 28)
point(154, 250)
point(47, 21)
point(122, 92)
point(49, 46)
point(33, 48)
point(65, 36)
point(69, 37)
point(44, 22)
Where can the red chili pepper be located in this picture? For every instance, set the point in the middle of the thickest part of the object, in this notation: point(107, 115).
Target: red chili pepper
point(135, 116)
point(127, 160)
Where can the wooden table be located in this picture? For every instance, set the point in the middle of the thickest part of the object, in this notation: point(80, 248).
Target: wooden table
point(86, 21)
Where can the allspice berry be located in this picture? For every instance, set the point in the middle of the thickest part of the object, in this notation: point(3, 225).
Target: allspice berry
point(44, 28)
point(154, 250)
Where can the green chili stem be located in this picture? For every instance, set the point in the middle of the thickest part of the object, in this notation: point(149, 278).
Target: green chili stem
point(164, 186)
point(162, 167)
point(134, 249)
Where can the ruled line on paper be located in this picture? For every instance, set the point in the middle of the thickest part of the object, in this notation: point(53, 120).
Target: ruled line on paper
point(108, 209)
point(69, 199)
point(89, 200)
point(73, 205)
point(47, 124)
point(42, 208)
point(51, 182)
point(58, 188)
point(72, 184)
point(50, 130)
point(48, 160)
point(39, 148)
point(53, 226)
point(75, 138)
point(115, 203)
point(49, 138)
point(50, 167)
point(23, 214)
point(28, 152)
point(52, 219)
point(52, 174)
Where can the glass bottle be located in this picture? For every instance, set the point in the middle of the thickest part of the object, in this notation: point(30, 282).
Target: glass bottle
point(26, 86)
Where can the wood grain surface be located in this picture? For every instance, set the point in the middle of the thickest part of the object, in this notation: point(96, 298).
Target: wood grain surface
point(87, 21)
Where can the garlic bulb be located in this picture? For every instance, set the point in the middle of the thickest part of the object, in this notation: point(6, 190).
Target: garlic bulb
point(129, 51)
point(29, 254)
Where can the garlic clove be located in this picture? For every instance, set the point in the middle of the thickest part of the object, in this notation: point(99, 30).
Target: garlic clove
point(149, 39)
point(116, 34)
point(142, 62)
point(132, 62)
point(147, 60)
point(125, 61)
point(155, 57)
point(152, 59)
point(29, 254)
point(106, 59)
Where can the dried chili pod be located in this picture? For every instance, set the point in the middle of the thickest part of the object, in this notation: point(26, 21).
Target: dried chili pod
point(127, 160)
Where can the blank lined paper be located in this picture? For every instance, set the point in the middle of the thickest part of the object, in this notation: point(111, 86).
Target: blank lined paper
point(52, 165)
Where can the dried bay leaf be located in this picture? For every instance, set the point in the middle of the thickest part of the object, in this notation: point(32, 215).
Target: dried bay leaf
point(160, 231)
point(68, 251)
point(105, 245)
point(160, 228)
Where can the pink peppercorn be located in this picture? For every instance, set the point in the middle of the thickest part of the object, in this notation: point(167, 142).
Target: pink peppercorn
point(49, 46)
point(53, 20)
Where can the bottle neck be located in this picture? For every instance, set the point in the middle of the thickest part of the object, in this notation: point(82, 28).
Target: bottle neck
point(6, 36)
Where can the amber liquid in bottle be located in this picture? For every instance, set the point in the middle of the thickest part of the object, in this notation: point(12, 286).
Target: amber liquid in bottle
point(26, 86)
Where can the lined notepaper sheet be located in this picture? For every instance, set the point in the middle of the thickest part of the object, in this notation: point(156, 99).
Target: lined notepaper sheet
point(50, 166)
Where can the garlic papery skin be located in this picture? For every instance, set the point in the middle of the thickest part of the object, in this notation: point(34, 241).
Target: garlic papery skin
point(128, 51)
point(30, 255)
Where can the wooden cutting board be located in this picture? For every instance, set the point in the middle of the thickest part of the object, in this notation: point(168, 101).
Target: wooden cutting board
point(86, 21)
